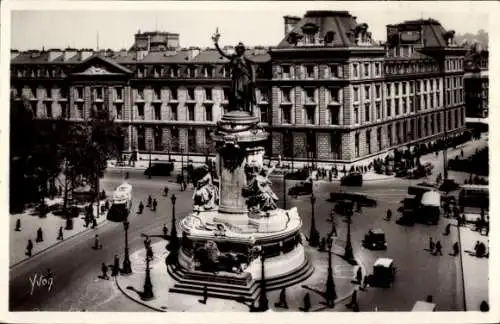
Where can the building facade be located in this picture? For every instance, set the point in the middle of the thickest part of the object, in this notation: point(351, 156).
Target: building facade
point(476, 82)
point(327, 92)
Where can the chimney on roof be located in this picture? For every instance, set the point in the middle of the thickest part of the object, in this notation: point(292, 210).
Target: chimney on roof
point(13, 54)
point(54, 53)
point(290, 23)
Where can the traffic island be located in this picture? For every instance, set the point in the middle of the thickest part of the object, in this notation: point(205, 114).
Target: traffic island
point(133, 285)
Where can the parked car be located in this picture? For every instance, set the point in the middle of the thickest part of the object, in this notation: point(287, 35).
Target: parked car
point(375, 239)
point(352, 179)
point(302, 188)
point(160, 169)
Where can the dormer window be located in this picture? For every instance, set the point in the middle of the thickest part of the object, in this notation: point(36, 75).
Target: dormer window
point(208, 71)
point(174, 72)
point(192, 72)
point(310, 34)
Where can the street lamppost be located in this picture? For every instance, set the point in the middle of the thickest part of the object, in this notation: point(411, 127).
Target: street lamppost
point(173, 245)
point(348, 255)
point(127, 269)
point(284, 189)
point(148, 285)
point(182, 163)
point(263, 301)
point(313, 235)
point(150, 142)
point(330, 293)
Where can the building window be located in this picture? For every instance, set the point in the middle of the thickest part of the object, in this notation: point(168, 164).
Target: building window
point(119, 110)
point(396, 107)
point(334, 115)
point(157, 111)
point(173, 112)
point(309, 38)
point(389, 134)
point(79, 110)
point(396, 89)
point(174, 140)
point(156, 94)
point(367, 112)
point(174, 72)
point(140, 111)
point(64, 110)
point(389, 107)
point(208, 94)
point(356, 144)
point(141, 139)
point(285, 95)
point(388, 89)
point(356, 114)
point(140, 93)
point(412, 84)
point(377, 91)
point(48, 109)
point(355, 70)
point(209, 71)
point(119, 93)
point(310, 114)
point(378, 110)
point(190, 94)
point(264, 113)
point(191, 140)
point(78, 94)
point(287, 115)
point(173, 94)
point(309, 71)
point(310, 95)
point(368, 141)
point(356, 94)
point(264, 95)
point(377, 69)
point(366, 69)
point(285, 71)
point(208, 113)
point(190, 109)
point(398, 132)
point(431, 101)
point(157, 139)
point(334, 71)
point(379, 138)
point(336, 146)
point(367, 92)
point(403, 103)
point(334, 95)
point(208, 139)
point(192, 72)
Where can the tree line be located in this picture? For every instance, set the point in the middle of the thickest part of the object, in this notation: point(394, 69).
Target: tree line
point(46, 154)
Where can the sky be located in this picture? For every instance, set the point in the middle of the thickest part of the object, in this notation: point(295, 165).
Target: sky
point(113, 24)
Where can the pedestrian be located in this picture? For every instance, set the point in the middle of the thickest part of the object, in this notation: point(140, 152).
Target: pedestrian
point(149, 253)
point(104, 269)
point(447, 230)
point(165, 230)
point(106, 205)
point(116, 266)
point(97, 243)
point(484, 307)
point(455, 249)
point(39, 235)
point(18, 225)
point(29, 248)
point(389, 215)
point(155, 204)
point(94, 222)
point(431, 245)
point(282, 299)
point(322, 244)
point(438, 248)
point(165, 191)
point(141, 207)
point(354, 299)
point(359, 275)
point(150, 201)
point(205, 295)
point(365, 282)
point(60, 237)
point(462, 153)
point(307, 303)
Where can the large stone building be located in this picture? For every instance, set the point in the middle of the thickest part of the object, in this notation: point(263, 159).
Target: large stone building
point(326, 92)
point(476, 82)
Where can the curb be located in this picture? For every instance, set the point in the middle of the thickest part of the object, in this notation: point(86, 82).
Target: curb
point(135, 300)
point(55, 244)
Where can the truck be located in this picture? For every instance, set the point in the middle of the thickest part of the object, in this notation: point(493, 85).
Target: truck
point(121, 203)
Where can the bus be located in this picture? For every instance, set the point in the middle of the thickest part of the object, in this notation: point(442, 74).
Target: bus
point(430, 207)
point(121, 203)
point(474, 196)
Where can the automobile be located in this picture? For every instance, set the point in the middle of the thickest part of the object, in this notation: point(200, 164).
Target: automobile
point(406, 219)
point(352, 179)
point(343, 207)
point(302, 188)
point(375, 240)
point(359, 198)
point(384, 273)
point(449, 185)
point(302, 174)
point(160, 169)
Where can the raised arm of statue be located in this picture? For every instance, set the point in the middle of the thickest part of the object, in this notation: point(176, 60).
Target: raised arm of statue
point(215, 38)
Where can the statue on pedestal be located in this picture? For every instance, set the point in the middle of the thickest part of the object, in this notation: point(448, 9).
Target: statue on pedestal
point(260, 196)
point(242, 97)
point(206, 194)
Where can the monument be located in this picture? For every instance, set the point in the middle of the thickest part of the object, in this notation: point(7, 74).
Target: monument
point(236, 222)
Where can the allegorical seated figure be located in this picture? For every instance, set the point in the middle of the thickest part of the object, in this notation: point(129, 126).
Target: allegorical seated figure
point(206, 194)
point(260, 196)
